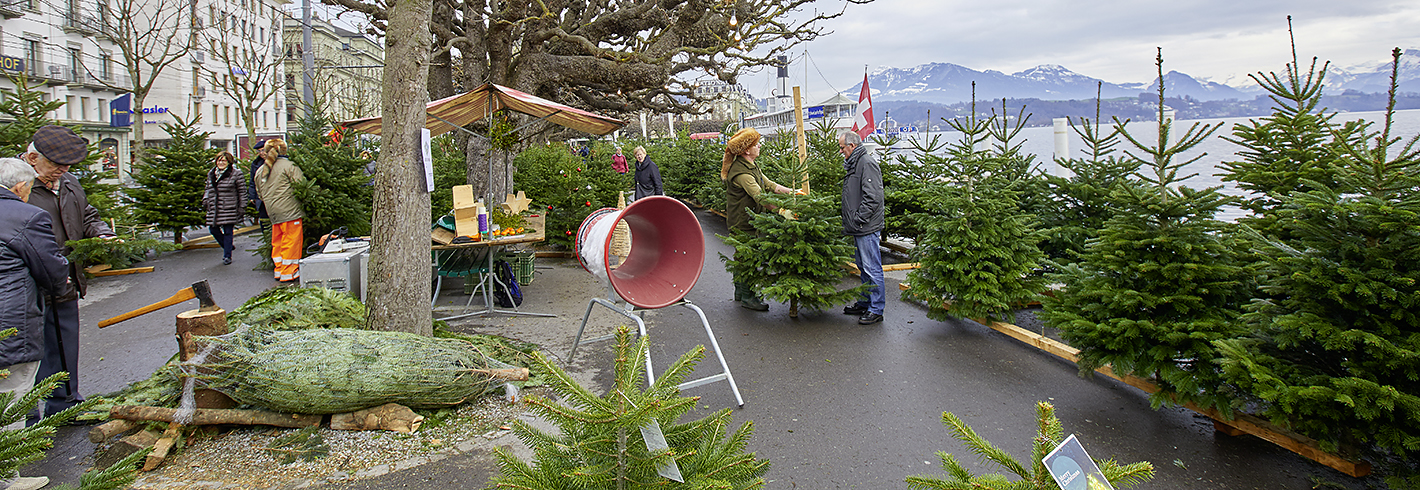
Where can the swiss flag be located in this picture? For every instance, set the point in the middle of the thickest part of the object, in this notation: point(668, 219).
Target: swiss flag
point(863, 120)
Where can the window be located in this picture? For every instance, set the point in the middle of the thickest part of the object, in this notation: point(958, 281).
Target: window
point(69, 107)
point(106, 66)
point(263, 119)
point(76, 63)
point(227, 115)
point(32, 56)
point(103, 109)
point(214, 113)
point(84, 108)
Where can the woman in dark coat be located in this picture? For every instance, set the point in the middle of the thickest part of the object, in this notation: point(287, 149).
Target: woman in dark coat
point(648, 175)
point(225, 201)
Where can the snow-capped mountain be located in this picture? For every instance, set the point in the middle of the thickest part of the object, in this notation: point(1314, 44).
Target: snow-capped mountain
point(947, 83)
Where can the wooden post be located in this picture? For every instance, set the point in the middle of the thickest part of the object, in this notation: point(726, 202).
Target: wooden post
point(799, 140)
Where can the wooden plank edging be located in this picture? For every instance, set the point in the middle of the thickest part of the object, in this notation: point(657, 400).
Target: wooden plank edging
point(1241, 423)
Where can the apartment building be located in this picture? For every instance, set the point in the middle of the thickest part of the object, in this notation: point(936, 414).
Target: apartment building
point(59, 48)
point(347, 75)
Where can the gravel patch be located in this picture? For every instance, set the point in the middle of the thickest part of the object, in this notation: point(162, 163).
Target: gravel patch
point(238, 458)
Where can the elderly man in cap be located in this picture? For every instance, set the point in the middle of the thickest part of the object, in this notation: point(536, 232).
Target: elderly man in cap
point(56, 191)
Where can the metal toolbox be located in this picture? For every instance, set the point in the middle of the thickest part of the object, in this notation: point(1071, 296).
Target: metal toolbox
point(340, 271)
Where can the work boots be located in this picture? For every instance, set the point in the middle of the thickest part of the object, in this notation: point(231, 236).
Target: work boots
point(748, 299)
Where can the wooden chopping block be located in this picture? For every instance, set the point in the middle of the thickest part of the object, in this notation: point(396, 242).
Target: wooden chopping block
point(207, 322)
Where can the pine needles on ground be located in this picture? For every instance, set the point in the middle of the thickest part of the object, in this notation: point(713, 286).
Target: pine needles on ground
point(1049, 434)
point(602, 440)
point(303, 445)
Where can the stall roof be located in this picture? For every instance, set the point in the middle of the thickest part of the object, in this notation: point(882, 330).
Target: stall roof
point(465, 108)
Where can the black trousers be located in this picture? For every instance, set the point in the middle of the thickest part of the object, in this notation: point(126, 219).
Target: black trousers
point(61, 354)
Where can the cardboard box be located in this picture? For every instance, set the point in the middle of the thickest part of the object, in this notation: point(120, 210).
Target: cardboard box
point(465, 211)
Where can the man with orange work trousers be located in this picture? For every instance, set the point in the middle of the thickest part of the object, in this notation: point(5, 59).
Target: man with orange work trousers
point(274, 186)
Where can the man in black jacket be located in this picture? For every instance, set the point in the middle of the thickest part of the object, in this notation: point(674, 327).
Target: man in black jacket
point(56, 191)
point(864, 219)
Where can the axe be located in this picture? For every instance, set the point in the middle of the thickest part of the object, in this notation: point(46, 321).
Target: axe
point(199, 290)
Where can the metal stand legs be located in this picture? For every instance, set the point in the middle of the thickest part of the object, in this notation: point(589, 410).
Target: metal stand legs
point(634, 314)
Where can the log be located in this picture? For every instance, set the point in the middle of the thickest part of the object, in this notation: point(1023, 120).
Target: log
point(129, 444)
point(161, 448)
point(390, 416)
point(202, 323)
point(510, 374)
point(104, 431)
point(216, 416)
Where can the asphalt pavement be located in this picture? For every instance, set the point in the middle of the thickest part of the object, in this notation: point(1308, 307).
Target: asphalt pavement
point(834, 404)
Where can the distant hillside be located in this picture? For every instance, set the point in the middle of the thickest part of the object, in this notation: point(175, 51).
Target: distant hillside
point(946, 83)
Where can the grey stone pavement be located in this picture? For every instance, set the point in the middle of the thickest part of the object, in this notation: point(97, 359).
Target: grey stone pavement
point(834, 404)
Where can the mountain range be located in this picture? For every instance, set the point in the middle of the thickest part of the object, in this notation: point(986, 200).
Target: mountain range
point(946, 83)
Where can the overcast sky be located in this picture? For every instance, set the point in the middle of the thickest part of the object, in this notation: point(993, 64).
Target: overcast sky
point(1114, 40)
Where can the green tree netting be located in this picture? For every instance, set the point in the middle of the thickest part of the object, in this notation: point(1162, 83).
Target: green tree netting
point(338, 370)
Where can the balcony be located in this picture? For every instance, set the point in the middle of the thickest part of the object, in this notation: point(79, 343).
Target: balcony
point(10, 9)
point(82, 23)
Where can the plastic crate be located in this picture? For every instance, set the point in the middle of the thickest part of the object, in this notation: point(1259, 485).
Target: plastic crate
point(523, 266)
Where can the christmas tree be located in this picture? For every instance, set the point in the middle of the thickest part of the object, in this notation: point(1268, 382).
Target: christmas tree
point(171, 180)
point(1287, 151)
point(977, 249)
point(337, 189)
point(1162, 280)
point(631, 438)
point(1080, 204)
point(795, 261)
point(1049, 434)
point(1334, 349)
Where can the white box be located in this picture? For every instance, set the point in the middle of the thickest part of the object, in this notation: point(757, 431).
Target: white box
point(340, 271)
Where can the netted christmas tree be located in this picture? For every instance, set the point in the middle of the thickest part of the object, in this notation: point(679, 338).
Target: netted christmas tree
point(977, 248)
point(631, 438)
point(1162, 280)
point(1335, 348)
point(172, 179)
point(337, 190)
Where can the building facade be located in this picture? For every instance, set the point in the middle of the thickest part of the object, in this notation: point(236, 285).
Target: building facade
point(347, 75)
point(723, 101)
point(60, 50)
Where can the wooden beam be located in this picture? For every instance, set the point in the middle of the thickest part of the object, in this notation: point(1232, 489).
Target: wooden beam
point(1240, 423)
point(122, 272)
point(193, 245)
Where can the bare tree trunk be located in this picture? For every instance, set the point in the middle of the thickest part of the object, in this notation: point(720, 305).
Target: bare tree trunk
point(399, 259)
point(478, 159)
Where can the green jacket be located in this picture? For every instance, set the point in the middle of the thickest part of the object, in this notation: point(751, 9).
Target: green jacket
point(273, 186)
point(740, 201)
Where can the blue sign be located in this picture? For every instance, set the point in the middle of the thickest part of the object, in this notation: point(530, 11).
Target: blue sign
point(814, 112)
point(907, 129)
point(121, 111)
point(11, 63)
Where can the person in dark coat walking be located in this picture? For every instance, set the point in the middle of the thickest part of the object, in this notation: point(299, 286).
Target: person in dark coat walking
point(648, 175)
point(224, 200)
point(863, 219)
point(56, 191)
point(32, 266)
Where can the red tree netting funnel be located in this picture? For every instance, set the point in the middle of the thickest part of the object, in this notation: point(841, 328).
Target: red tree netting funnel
point(667, 250)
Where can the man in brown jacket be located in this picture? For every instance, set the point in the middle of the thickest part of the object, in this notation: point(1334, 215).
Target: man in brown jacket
point(52, 151)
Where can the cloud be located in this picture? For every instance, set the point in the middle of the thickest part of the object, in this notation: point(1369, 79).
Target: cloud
point(1110, 39)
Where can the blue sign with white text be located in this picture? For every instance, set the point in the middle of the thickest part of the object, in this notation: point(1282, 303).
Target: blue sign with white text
point(814, 112)
point(121, 111)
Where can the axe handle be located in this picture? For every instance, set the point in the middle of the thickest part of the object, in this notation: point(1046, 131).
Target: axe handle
point(183, 295)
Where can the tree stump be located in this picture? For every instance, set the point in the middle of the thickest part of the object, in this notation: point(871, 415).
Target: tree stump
point(208, 324)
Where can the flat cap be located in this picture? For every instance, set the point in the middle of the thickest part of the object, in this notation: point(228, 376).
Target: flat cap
point(60, 145)
point(258, 145)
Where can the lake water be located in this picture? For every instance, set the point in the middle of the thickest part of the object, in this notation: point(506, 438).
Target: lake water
point(1040, 141)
